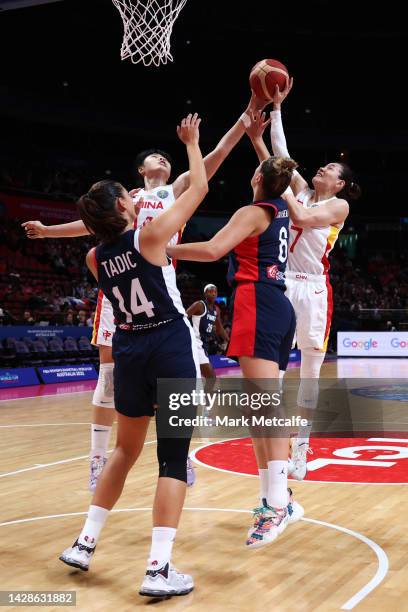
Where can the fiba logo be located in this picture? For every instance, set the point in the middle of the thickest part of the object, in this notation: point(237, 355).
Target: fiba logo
point(162, 194)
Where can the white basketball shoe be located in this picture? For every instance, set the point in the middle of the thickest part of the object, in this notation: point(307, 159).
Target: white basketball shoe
point(165, 581)
point(78, 555)
point(297, 465)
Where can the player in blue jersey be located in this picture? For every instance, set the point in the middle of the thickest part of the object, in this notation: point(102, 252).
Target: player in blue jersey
point(153, 339)
point(154, 170)
point(263, 321)
point(205, 318)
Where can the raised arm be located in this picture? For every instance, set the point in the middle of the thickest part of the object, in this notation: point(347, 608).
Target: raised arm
point(215, 158)
point(255, 126)
point(278, 139)
point(334, 213)
point(241, 225)
point(155, 235)
point(35, 229)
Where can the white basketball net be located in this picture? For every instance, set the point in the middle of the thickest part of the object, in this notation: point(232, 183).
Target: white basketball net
point(148, 25)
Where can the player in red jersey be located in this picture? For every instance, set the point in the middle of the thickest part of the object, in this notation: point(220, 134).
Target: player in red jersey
point(263, 322)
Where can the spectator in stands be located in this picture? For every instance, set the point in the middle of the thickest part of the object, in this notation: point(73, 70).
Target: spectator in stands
point(69, 318)
point(28, 319)
point(82, 318)
point(90, 321)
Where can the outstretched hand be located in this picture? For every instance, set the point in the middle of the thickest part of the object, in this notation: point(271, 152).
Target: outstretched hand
point(257, 124)
point(137, 201)
point(188, 130)
point(256, 103)
point(34, 229)
point(279, 95)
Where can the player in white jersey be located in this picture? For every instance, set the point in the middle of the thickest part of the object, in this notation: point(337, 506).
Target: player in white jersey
point(154, 168)
point(316, 218)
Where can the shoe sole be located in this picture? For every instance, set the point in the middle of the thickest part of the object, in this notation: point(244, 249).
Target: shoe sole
point(152, 593)
point(295, 477)
point(292, 473)
point(72, 563)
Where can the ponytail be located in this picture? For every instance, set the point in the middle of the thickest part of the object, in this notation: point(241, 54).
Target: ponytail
point(98, 210)
point(351, 190)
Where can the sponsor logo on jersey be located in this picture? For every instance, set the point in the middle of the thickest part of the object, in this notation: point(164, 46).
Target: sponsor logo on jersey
point(274, 273)
point(162, 194)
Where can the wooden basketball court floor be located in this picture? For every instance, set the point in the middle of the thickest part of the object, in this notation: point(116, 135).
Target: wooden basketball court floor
point(349, 552)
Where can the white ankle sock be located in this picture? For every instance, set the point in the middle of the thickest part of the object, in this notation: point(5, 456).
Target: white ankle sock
point(277, 484)
point(263, 484)
point(162, 545)
point(100, 435)
point(93, 525)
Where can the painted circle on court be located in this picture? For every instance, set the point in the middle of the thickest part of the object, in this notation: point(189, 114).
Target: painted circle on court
point(398, 393)
point(347, 460)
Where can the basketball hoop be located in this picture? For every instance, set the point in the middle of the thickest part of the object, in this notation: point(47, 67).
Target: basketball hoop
point(148, 25)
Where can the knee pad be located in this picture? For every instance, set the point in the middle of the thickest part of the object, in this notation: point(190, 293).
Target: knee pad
point(311, 362)
point(308, 393)
point(172, 456)
point(103, 394)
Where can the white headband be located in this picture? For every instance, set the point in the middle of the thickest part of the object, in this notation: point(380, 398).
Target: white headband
point(209, 287)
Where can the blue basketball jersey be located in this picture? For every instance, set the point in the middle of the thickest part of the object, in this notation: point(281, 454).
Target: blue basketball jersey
point(143, 296)
point(263, 258)
point(204, 324)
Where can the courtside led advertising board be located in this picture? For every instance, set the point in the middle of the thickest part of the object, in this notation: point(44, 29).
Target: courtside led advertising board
point(372, 344)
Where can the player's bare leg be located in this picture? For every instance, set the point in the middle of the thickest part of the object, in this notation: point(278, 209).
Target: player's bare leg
point(272, 517)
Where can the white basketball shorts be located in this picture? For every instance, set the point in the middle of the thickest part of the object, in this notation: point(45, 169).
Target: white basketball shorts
point(312, 299)
point(104, 327)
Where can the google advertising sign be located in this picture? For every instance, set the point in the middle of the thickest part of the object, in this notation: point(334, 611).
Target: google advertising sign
point(372, 344)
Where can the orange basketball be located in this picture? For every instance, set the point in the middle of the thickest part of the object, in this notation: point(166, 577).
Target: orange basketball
point(264, 77)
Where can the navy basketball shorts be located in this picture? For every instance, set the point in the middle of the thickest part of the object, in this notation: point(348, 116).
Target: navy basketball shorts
point(140, 358)
point(263, 323)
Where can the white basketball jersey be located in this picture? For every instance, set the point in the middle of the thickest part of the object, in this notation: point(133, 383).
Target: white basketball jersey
point(309, 247)
point(155, 202)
